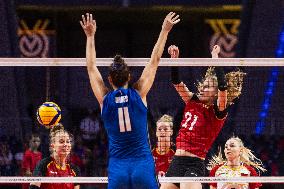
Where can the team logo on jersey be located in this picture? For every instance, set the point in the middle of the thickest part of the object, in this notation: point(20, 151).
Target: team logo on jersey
point(53, 172)
point(225, 35)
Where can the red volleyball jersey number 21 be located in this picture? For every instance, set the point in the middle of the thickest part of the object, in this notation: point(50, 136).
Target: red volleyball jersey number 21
point(192, 119)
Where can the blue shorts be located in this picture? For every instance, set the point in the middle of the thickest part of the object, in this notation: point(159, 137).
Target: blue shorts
point(130, 173)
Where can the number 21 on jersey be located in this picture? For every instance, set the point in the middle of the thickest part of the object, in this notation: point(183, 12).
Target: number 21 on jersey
point(124, 119)
point(189, 118)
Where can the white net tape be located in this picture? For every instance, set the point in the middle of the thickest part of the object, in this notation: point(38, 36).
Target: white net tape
point(279, 179)
point(143, 61)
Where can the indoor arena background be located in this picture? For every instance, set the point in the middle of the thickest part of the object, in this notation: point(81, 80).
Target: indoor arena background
point(247, 29)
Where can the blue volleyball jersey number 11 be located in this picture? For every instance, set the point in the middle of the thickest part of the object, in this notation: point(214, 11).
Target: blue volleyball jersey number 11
point(123, 114)
point(124, 119)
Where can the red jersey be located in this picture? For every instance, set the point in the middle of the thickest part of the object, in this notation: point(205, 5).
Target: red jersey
point(30, 160)
point(162, 162)
point(47, 167)
point(240, 171)
point(199, 128)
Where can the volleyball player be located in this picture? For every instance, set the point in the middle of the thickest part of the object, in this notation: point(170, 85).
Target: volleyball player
point(203, 119)
point(57, 164)
point(124, 111)
point(239, 162)
point(163, 153)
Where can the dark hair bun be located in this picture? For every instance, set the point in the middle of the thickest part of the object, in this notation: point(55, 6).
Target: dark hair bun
point(118, 59)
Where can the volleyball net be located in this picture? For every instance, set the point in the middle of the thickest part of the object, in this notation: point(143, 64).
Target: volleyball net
point(256, 116)
point(103, 180)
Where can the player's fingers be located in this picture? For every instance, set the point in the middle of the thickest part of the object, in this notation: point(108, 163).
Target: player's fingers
point(172, 51)
point(84, 19)
point(169, 15)
point(175, 18)
point(81, 23)
point(88, 18)
point(169, 49)
point(177, 21)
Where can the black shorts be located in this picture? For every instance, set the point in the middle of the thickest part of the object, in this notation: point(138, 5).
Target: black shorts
point(184, 166)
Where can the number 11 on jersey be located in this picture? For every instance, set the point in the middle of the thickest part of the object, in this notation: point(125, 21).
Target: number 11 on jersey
point(124, 119)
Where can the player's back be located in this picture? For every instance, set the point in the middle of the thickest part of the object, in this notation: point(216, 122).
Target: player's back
point(125, 120)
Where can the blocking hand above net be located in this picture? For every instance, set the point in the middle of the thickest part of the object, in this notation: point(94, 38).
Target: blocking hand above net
point(124, 110)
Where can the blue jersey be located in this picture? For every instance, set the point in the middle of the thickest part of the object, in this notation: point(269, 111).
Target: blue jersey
point(125, 120)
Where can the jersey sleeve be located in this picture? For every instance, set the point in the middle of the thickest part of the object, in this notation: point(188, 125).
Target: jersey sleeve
point(41, 168)
point(253, 173)
point(212, 174)
point(77, 172)
point(220, 114)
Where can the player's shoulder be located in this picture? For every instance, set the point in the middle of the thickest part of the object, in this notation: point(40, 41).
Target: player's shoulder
point(192, 101)
point(76, 169)
point(133, 92)
point(215, 169)
point(171, 152)
point(154, 151)
point(41, 167)
point(250, 169)
point(45, 161)
point(28, 152)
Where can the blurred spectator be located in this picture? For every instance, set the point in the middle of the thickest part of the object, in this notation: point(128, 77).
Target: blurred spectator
point(90, 127)
point(76, 160)
point(78, 146)
point(100, 156)
point(31, 157)
point(6, 159)
point(18, 163)
point(87, 162)
point(274, 168)
point(77, 152)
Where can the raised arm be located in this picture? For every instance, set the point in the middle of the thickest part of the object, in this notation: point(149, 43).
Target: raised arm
point(146, 80)
point(222, 84)
point(89, 26)
point(180, 87)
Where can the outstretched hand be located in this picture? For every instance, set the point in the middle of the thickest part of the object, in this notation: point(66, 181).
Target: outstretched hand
point(89, 25)
point(161, 173)
point(173, 51)
point(170, 20)
point(215, 51)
